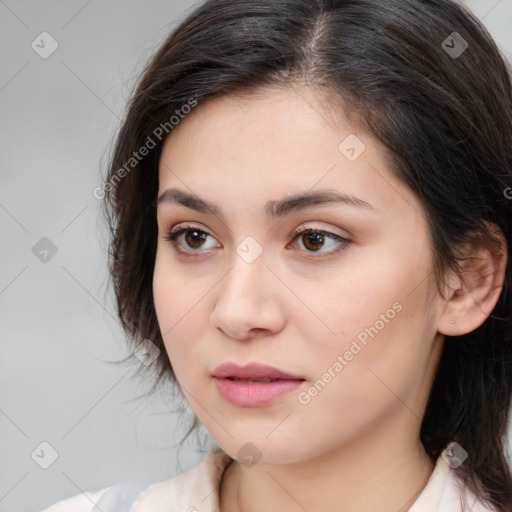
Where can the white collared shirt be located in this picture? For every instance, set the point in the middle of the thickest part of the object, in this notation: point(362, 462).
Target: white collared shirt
point(197, 491)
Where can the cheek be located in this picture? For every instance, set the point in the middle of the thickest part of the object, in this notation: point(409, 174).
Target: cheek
point(180, 313)
point(176, 291)
point(356, 384)
point(339, 307)
point(377, 324)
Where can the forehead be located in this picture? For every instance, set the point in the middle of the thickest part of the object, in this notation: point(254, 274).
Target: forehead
point(272, 117)
point(280, 139)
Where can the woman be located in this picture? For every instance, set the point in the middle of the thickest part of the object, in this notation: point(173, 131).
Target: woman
point(310, 209)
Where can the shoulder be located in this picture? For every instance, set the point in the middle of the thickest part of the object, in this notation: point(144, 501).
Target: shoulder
point(457, 497)
point(192, 488)
point(83, 502)
point(446, 492)
point(196, 489)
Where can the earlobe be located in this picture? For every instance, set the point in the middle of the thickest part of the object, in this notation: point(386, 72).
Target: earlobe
point(474, 294)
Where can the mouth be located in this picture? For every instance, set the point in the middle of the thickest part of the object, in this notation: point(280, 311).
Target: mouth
point(236, 379)
point(254, 385)
point(252, 372)
point(255, 392)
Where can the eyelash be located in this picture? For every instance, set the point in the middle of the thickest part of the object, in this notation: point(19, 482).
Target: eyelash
point(172, 235)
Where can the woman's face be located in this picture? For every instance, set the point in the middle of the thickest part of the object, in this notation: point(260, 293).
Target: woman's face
point(344, 308)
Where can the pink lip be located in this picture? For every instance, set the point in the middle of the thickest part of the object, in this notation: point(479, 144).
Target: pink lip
point(253, 394)
point(252, 371)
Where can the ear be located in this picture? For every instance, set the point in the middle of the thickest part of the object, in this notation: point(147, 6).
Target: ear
point(473, 294)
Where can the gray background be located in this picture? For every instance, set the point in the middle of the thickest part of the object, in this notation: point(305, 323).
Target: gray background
point(57, 320)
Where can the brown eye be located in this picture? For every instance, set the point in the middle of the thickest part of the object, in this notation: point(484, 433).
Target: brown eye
point(189, 239)
point(195, 238)
point(192, 241)
point(313, 241)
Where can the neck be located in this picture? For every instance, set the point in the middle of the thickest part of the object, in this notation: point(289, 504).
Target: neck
point(352, 479)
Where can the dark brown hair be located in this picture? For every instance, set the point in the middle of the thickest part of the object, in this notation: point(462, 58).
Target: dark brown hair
point(440, 102)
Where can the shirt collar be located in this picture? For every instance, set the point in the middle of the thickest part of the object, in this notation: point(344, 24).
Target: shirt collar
point(198, 489)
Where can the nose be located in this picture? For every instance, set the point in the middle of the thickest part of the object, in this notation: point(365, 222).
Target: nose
point(249, 301)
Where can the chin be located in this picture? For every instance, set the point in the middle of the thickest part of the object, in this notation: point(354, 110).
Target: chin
point(263, 451)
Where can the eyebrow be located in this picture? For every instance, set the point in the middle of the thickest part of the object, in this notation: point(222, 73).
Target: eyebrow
point(274, 208)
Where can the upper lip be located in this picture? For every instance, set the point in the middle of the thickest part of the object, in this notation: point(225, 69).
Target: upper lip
point(252, 371)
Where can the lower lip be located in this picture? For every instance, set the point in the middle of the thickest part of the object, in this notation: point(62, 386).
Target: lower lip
point(254, 394)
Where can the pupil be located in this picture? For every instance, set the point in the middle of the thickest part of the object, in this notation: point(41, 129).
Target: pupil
point(193, 239)
point(314, 238)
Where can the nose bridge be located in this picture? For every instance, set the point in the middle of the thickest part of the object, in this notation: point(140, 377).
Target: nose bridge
point(246, 299)
point(248, 269)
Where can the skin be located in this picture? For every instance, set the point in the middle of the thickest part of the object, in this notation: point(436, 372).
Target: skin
point(356, 443)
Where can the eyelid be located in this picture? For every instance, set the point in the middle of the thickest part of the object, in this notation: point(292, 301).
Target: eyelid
point(185, 226)
point(295, 232)
point(316, 229)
